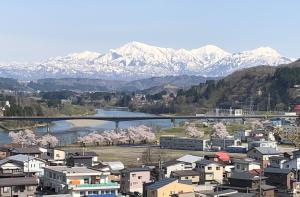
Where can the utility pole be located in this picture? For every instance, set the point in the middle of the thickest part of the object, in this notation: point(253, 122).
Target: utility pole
point(269, 103)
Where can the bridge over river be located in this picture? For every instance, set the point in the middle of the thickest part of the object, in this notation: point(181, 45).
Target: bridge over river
point(118, 119)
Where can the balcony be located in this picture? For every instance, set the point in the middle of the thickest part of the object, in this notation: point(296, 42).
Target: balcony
point(107, 185)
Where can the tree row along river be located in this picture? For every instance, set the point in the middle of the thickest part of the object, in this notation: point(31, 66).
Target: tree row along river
point(68, 131)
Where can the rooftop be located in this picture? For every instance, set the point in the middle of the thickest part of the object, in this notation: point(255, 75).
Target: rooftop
point(160, 183)
point(185, 173)
point(190, 158)
point(267, 150)
point(207, 162)
point(245, 176)
point(18, 158)
point(72, 170)
point(135, 169)
point(18, 181)
point(27, 150)
point(277, 170)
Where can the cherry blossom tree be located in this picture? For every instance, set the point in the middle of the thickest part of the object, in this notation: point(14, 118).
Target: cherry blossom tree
point(48, 140)
point(192, 131)
point(139, 134)
point(219, 130)
point(25, 137)
point(256, 125)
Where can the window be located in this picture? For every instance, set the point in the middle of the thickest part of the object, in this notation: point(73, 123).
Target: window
point(82, 193)
point(6, 189)
point(30, 188)
point(133, 175)
point(209, 168)
point(139, 177)
point(86, 181)
point(186, 177)
point(218, 168)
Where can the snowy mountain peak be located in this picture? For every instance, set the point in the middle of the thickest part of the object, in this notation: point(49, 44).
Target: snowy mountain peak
point(266, 51)
point(88, 55)
point(136, 60)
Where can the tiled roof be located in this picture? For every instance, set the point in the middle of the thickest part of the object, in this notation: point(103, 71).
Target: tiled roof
point(207, 162)
point(18, 181)
point(135, 169)
point(161, 183)
point(245, 176)
point(27, 150)
point(277, 170)
point(185, 173)
point(267, 150)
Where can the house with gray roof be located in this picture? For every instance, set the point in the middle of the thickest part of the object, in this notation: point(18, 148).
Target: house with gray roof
point(18, 186)
point(27, 164)
point(262, 155)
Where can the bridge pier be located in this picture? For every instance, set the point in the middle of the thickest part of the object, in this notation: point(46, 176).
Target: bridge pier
point(116, 125)
point(48, 128)
point(173, 121)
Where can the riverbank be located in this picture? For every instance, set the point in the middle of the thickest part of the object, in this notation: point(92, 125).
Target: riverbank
point(85, 123)
point(8, 129)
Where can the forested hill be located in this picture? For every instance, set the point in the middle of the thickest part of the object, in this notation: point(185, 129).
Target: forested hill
point(253, 85)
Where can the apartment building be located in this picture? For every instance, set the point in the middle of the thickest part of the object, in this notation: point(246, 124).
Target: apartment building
point(183, 143)
point(79, 181)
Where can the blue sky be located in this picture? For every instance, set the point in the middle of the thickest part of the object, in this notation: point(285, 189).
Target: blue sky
point(34, 30)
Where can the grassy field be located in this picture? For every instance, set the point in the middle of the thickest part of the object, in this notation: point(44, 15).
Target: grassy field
point(134, 155)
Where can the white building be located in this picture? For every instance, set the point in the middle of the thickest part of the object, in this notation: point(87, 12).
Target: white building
point(29, 164)
point(268, 144)
point(242, 135)
point(171, 166)
point(189, 161)
point(245, 165)
point(79, 181)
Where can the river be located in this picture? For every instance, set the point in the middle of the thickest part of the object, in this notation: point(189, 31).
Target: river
point(67, 132)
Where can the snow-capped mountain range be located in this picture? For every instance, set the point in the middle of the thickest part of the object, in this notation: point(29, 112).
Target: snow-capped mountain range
point(137, 60)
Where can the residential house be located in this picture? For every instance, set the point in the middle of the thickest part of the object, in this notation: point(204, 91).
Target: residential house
point(57, 156)
point(277, 161)
point(246, 182)
point(210, 171)
point(4, 152)
point(270, 144)
point(33, 151)
point(169, 187)
point(242, 135)
point(81, 159)
point(280, 178)
point(230, 193)
point(78, 181)
point(114, 167)
point(262, 154)
point(293, 164)
point(190, 161)
point(171, 166)
point(18, 186)
point(245, 165)
point(133, 179)
point(183, 143)
point(187, 175)
point(28, 164)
